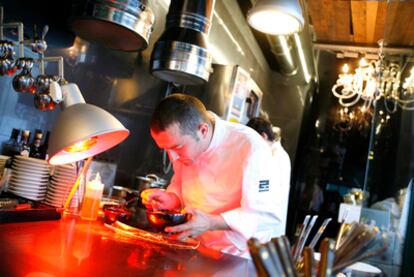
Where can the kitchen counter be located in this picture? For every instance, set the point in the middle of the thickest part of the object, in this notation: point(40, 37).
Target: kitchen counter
point(73, 247)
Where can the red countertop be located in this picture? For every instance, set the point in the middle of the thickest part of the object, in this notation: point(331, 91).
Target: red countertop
point(73, 247)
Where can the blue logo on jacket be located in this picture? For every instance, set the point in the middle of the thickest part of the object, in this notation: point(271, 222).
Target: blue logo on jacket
point(263, 185)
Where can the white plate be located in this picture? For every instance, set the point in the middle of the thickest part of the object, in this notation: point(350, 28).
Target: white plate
point(68, 170)
point(18, 187)
point(3, 157)
point(54, 191)
point(32, 193)
point(35, 197)
point(30, 171)
point(29, 190)
point(55, 199)
point(57, 190)
point(27, 174)
point(14, 186)
point(66, 166)
point(59, 198)
point(29, 177)
point(62, 183)
point(65, 175)
point(29, 166)
point(31, 160)
point(60, 187)
point(27, 182)
point(54, 204)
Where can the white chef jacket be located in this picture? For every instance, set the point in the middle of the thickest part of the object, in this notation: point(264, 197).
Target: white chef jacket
point(282, 165)
point(235, 178)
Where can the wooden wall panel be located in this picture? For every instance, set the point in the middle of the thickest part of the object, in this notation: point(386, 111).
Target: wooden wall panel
point(371, 15)
point(318, 20)
point(380, 22)
point(359, 20)
point(406, 19)
point(371, 21)
point(342, 21)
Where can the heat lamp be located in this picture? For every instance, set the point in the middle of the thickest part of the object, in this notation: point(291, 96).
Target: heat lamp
point(82, 130)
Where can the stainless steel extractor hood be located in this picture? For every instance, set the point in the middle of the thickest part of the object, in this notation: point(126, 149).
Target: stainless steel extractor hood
point(118, 24)
point(181, 55)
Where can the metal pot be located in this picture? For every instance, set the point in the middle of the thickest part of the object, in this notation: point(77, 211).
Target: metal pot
point(150, 181)
point(125, 196)
point(122, 25)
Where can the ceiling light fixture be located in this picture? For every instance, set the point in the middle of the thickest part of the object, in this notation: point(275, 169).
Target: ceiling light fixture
point(276, 17)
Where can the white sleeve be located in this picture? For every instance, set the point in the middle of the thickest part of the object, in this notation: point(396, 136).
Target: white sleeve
point(263, 206)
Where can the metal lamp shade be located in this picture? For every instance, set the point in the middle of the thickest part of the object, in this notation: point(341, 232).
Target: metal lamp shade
point(276, 17)
point(122, 25)
point(81, 122)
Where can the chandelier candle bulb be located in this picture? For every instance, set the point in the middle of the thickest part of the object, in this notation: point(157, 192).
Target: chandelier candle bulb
point(92, 199)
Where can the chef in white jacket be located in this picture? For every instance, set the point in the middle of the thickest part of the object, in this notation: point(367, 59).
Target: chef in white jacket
point(223, 176)
point(281, 161)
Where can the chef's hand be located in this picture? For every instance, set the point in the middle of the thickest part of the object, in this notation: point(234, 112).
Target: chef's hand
point(159, 199)
point(198, 223)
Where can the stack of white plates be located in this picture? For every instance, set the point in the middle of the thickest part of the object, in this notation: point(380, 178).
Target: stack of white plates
point(29, 178)
point(62, 181)
point(3, 160)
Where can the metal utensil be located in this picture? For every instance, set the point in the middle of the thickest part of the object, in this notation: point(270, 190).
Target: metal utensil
point(267, 261)
point(254, 246)
point(285, 257)
point(301, 231)
point(286, 243)
point(319, 233)
point(276, 260)
point(305, 236)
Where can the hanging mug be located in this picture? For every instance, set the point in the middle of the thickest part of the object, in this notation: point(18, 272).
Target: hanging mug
point(44, 102)
point(7, 63)
point(24, 82)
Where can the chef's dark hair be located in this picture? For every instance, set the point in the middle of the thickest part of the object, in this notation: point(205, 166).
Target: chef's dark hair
point(184, 109)
point(262, 125)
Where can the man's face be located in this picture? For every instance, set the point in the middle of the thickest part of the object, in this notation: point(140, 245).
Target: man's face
point(184, 147)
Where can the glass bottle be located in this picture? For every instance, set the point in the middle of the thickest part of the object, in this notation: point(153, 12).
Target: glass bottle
point(35, 146)
point(24, 143)
point(11, 147)
point(44, 146)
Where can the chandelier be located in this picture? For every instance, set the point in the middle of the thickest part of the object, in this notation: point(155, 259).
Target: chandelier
point(375, 80)
point(345, 119)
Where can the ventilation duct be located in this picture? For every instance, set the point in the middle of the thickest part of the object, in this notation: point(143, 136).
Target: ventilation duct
point(181, 55)
point(118, 24)
point(281, 47)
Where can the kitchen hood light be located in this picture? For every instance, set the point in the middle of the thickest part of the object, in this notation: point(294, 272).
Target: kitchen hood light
point(82, 130)
point(276, 17)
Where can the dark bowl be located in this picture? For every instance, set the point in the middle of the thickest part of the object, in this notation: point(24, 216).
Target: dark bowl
point(164, 218)
point(114, 213)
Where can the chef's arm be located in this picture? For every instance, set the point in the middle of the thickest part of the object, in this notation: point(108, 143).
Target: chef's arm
point(217, 222)
point(199, 223)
